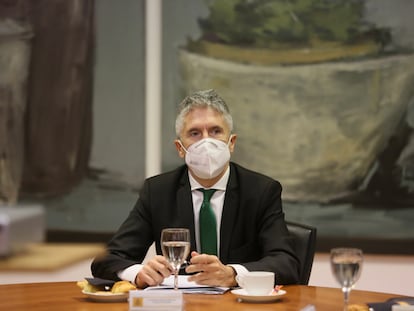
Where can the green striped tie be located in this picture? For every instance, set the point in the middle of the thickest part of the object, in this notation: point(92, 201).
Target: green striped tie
point(207, 222)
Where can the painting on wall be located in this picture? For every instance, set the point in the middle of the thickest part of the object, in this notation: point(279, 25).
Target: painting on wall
point(322, 101)
point(64, 144)
point(45, 96)
point(321, 93)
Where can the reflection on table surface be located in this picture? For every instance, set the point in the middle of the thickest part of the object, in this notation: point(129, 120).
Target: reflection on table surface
point(68, 296)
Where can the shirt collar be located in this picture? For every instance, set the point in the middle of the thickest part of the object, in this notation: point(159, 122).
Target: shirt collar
point(219, 185)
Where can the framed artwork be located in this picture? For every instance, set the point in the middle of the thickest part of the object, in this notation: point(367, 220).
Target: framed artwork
point(321, 93)
point(323, 106)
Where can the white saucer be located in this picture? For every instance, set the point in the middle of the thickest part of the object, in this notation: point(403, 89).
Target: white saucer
point(107, 296)
point(243, 295)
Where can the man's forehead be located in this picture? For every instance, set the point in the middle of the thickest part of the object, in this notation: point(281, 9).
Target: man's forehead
point(203, 117)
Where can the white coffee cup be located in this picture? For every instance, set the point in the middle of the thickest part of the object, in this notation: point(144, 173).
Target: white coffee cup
point(258, 283)
point(402, 308)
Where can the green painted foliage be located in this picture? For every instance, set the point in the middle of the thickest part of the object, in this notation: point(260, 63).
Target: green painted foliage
point(266, 22)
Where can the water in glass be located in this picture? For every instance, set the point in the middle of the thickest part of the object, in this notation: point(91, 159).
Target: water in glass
point(346, 264)
point(175, 245)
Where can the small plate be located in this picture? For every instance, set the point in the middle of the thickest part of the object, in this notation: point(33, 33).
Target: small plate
point(243, 295)
point(107, 296)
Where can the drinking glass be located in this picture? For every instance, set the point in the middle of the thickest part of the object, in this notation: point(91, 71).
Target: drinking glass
point(175, 245)
point(346, 264)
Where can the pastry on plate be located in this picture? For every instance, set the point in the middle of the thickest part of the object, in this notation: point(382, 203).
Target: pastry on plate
point(358, 307)
point(87, 287)
point(117, 287)
point(122, 287)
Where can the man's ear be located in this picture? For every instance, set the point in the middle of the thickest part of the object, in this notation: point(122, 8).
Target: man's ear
point(180, 149)
point(232, 142)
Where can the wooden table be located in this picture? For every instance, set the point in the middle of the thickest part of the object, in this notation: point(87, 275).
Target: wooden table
point(67, 296)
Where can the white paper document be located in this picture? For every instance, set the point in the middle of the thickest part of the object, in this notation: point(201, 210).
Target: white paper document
point(188, 287)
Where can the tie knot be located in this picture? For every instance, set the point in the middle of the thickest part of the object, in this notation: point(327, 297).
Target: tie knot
point(207, 194)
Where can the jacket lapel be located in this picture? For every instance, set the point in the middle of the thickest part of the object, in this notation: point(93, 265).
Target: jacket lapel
point(185, 207)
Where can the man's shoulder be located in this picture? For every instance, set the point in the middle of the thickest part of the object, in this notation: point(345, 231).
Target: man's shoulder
point(172, 176)
point(244, 173)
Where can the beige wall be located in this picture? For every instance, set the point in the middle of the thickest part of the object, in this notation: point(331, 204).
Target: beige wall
point(381, 273)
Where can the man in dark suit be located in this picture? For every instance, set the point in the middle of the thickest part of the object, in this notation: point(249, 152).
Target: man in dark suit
point(248, 216)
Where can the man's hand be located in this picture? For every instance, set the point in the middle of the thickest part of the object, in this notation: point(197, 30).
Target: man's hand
point(153, 272)
point(210, 271)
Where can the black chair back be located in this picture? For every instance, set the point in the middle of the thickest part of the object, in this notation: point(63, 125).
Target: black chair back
point(305, 242)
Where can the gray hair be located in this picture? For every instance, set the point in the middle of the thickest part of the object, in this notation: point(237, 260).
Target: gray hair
point(206, 98)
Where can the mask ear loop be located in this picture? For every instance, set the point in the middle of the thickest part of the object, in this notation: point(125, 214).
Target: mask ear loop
point(179, 141)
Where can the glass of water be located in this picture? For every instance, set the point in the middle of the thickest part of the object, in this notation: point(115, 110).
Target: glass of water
point(175, 245)
point(346, 264)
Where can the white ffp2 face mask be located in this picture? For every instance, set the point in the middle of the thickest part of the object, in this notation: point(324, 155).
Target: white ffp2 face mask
point(207, 157)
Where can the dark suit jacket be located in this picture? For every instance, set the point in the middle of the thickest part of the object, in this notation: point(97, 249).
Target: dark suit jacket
point(253, 230)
